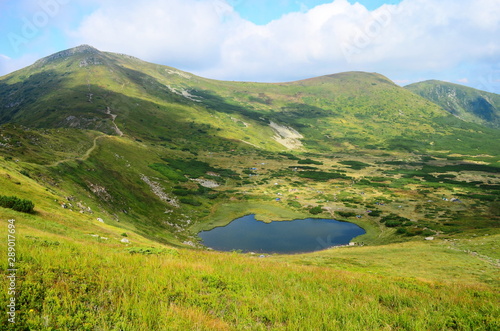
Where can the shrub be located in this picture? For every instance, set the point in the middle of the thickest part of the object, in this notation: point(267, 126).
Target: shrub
point(309, 161)
point(428, 233)
point(213, 196)
point(346, 214)
point(392, 223)
point(289, 156)
point(7, 202)
point(21, 205)
point(181, 192)
point(414, 232)
point(25, 173)
point(355, 165)
point(316, 210)
point(191, 202)
point(401, 231)
point(375, 213)
point(395, 218)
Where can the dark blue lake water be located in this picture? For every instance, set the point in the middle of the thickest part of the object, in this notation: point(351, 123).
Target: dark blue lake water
point(298, 236)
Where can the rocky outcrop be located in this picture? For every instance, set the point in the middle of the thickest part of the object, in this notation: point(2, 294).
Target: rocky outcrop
point(100, 191)
point(287, 136)
point(158, 191)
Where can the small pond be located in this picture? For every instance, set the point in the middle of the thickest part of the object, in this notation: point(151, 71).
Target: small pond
point(286, 237)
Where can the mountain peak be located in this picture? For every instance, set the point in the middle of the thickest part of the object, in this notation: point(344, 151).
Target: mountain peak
point(82, 49)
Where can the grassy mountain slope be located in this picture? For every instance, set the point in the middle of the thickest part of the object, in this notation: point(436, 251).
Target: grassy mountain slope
point(464, 102)
point(88, 89)
point(74, 272)
point(126, 161)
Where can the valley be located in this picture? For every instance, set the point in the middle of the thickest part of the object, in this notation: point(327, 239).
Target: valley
point(123, 182)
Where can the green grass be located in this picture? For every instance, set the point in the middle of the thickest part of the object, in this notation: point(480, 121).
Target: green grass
point(470, 104)
point(439, 260)
point(65, 272)
point(68, 284)
point(168, 172)
point(336, 112)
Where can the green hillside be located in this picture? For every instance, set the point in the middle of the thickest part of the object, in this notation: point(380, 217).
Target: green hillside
point(126, 162)
point(87, 89)
point(466, 103)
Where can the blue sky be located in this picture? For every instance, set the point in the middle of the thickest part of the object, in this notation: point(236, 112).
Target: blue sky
point(269, 41)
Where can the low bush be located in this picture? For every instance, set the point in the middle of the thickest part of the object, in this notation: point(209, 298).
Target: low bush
point(309, 161)
point(181, 192)
point(290, 156)
point(375, 213)
point(21, 205)
point(393, 223)
point(355, 165)
point(401, 231)
point(346, 214)
point(25, 173)
point(191, 202)
point(316, 210)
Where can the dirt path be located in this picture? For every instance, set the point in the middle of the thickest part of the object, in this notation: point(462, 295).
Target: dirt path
point(113, 118)
point(94, 145)
point(82, 158)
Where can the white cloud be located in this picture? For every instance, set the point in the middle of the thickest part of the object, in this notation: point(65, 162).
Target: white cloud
point(297, 45)
point(415, 39)
point(463, 80)
point(177, 32)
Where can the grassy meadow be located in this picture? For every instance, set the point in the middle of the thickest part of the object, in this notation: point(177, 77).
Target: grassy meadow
point(97, 284)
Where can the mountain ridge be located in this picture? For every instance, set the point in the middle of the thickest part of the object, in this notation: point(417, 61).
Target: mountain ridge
point(467, 103)
point(98, 83)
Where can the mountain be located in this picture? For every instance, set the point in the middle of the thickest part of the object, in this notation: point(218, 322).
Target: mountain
point(113, 93)
point(466, 103)
point(111, 166)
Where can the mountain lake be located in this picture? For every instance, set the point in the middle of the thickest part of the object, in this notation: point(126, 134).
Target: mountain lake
point(285, 237)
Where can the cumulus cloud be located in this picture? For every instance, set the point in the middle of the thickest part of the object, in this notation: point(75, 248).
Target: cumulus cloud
point(176, 32)
point(446, 39)
point(297, 45)
point(211, 39)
